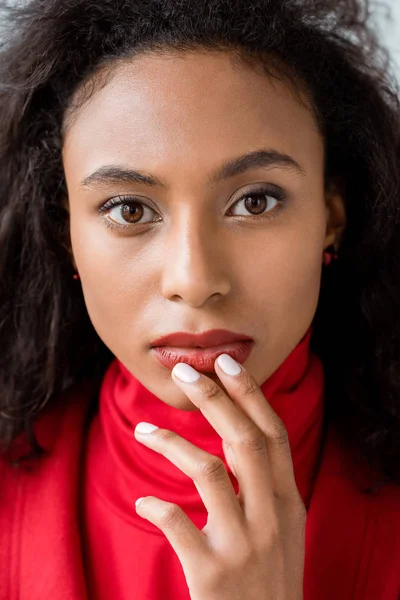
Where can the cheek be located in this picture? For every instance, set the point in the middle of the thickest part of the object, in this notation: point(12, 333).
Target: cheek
point(284, 282)
point(299, 282)
point(285, 275)
point(105, 273)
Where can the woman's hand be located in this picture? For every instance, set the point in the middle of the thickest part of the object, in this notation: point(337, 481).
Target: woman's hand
point(252, 547)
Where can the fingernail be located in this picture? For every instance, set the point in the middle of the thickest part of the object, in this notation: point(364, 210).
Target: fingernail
point(144, 427)
point(228, 364)
point(186, 373)
point(138, 501)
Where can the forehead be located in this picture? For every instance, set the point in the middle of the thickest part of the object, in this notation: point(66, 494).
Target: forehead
point(200, 106)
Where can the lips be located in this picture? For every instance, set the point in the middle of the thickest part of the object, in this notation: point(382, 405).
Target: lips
point(201, 350)
point(213, 337)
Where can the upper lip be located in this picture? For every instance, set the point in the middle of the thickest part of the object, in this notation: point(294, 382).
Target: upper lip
point(213, 337)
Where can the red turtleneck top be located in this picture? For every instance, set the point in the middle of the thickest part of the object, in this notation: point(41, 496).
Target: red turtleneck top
point(68, 525)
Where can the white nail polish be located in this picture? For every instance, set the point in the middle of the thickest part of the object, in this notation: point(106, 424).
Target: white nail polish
point(228, 364)
point(144, 427)
point(186, 373)
point(138, 501)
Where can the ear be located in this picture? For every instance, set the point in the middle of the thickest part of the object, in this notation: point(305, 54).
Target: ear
point(335, 213)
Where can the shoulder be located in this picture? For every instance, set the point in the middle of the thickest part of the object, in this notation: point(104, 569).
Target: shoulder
point(352, 531)
point(62, 419)
point(360, 495)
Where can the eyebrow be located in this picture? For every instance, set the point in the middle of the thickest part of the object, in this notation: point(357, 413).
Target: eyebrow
point(108, 174)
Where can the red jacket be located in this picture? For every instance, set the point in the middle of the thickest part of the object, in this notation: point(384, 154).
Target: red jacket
point(353, 547)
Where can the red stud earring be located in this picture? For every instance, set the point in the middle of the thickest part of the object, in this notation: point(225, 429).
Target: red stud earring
point(329, 255)
point(75, 276)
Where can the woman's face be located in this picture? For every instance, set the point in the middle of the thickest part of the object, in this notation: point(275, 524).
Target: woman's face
point(239, 250)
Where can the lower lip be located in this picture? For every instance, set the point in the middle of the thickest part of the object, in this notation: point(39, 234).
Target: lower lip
point(202, 359)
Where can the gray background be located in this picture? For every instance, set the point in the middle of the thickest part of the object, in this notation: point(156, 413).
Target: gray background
point(389, 28)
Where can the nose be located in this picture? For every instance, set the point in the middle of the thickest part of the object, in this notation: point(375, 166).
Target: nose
point(194, 263)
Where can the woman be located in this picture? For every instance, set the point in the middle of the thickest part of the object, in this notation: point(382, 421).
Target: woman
point(199, 230)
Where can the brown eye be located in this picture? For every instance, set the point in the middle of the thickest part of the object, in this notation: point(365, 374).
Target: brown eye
point(132, 213)
point(128, 212)
point(255, 204)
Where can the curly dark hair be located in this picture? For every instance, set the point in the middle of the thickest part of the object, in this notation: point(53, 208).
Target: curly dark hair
point(52, 48)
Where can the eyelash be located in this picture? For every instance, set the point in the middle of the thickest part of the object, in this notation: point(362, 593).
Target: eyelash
point(275, 193)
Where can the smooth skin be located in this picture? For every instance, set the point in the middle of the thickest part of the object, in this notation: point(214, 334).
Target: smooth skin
point(196, 255)
point(189, 264)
